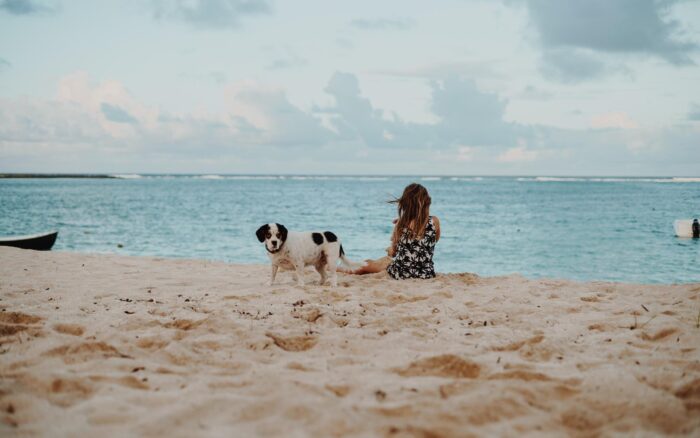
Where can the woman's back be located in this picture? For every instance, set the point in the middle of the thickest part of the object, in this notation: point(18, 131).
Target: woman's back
point(414, 256)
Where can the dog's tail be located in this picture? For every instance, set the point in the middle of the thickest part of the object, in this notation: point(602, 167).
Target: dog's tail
point(346, 262)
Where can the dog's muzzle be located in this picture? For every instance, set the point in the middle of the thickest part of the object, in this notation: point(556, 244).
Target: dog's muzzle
point(275, 251)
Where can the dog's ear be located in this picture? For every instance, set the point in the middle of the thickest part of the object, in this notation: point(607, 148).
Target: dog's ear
point(283, 231)
point(262, 231)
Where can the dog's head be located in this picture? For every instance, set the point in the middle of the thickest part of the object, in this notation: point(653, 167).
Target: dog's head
point(274, 236)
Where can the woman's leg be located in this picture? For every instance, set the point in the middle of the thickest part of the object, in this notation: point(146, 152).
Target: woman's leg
point(370, 267)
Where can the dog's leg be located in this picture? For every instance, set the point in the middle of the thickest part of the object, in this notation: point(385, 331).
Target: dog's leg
point(274, 274)
point(321, 269)
point(299, 267)
point(332, 263)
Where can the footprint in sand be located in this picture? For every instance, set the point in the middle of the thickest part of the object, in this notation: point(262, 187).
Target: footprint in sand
point(15, 322)
point(690, 394)
point(338, 390)
point(66, 391)
point(307, 314)
point(661, 334)
point(183, 324)
point(514, 346)
point(293, 343)
point(69, 329)
point(84, 352)
point(446, 365)
point(18, 318)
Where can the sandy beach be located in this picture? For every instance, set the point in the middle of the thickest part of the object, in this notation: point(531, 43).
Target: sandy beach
point(106, 345)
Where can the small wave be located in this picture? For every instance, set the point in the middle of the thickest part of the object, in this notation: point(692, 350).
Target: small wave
point(254, 177)
point(612, 179)
point(431, 178)
point(127, 176)
point(367, 178)
point(558, 179)
point(313, 177)
point(210, 177)
point(459, 178)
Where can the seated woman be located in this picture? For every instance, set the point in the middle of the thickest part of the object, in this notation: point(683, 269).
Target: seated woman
point(412, 241)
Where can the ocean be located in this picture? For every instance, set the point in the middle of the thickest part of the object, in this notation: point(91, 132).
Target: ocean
point(618, 229)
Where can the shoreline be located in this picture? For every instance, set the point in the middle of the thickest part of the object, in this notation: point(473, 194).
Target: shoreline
point(126, 345)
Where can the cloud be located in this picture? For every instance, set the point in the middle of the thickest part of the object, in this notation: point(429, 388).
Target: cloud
point(218, 76)
point(571, 65)
point(24, 7)
point(288, 60)
point(260, 130)
point(382, 24)
point(344, 43)
point(465, 153)
point(210, 14)
point(694, 113)
point(620, 26)
point(353, 115)
point(468, 115)
point(108, 126)
point(582, 40)
point(272, 119)
point(617, 120)
point(471, 69)
point(531, 92)
point(115, 114)
point(516, 155)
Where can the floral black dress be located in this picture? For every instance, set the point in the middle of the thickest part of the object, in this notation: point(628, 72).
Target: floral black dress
point(414, 258)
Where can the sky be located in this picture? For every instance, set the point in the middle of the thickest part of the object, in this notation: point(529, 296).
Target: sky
point(449, 87)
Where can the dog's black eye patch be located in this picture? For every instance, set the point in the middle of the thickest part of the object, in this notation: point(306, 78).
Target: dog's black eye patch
point(330, 236)
point(260, 233)
point(283, 230)
point(318, 239)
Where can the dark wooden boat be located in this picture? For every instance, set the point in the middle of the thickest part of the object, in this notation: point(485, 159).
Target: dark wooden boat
point(39, 242)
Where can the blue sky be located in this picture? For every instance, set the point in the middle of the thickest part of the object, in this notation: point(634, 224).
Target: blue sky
point(473, 87)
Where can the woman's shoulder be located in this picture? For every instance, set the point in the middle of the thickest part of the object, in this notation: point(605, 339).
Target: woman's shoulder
point(436, 220)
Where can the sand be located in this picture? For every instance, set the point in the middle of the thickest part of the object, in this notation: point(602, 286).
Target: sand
point(105, 345)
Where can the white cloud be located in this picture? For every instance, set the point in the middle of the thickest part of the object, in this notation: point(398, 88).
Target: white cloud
point(382, 24)
point(465, 153)
point(517, 154)
point(617, 120)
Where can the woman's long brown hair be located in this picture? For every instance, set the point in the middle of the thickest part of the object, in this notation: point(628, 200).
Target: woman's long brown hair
point(414, 208)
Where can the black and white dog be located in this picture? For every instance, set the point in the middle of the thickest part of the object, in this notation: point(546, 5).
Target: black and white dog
point(295, 250)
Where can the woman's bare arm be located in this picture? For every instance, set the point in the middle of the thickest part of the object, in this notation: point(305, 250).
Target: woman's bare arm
point(436, 221)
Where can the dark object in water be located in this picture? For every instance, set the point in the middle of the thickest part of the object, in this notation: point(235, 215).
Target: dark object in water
point(696, 229)
point(39, 242)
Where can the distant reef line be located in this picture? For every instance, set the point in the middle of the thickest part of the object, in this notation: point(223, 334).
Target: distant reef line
point(54, 175)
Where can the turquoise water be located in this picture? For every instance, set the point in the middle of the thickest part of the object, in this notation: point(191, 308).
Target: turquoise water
point(579, 228)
